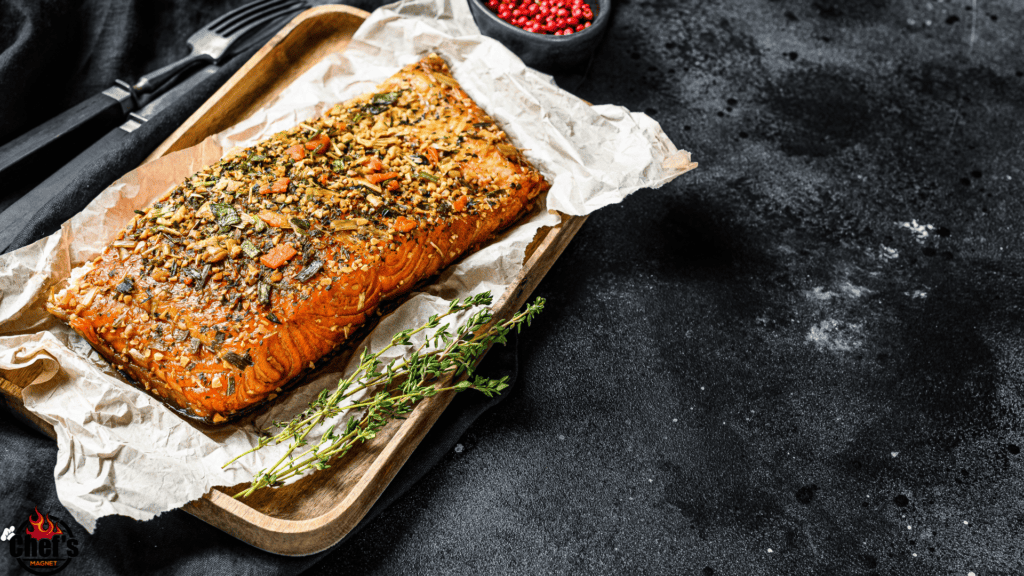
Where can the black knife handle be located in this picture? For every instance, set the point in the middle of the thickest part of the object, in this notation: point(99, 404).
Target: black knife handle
point(42, 210)
point(71, 188)
point(74, 127)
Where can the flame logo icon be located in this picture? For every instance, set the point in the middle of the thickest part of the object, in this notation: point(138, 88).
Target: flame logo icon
point(37, 531)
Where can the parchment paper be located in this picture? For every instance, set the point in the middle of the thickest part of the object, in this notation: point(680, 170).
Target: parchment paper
point(121, 451)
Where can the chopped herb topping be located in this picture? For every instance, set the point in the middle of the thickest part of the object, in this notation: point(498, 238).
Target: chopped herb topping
point(264, 293)
point(386, 98)
point(250, 249)
point(240, 362)
point(310, 270)
point(226, 215)
point(127, 286)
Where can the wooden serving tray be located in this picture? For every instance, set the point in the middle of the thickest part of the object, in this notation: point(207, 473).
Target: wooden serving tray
point(317, 511)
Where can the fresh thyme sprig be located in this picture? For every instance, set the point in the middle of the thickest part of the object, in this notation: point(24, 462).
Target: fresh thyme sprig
point(399, 385)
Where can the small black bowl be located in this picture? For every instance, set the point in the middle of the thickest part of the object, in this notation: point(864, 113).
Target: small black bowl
point(546, 52)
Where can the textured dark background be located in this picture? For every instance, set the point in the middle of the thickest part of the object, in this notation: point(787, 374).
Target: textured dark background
point(753, 370)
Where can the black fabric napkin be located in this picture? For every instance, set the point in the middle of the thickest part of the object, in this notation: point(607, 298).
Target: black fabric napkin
point(75, 50)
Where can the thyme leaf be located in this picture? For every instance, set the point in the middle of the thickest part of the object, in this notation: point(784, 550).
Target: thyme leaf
point(444, 362)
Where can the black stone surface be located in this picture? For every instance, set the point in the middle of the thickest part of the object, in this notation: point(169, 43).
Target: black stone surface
point(755, 369)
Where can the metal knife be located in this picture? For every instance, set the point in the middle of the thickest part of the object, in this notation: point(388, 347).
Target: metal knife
point(75, 128)
point(68, 191)
point(65, 193)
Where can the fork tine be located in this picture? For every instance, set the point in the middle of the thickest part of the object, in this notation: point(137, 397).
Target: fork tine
point(249, 22)
point(240, 10)
point(226, 18)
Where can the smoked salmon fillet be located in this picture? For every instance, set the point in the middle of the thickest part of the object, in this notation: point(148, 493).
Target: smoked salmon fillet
point(238, 280)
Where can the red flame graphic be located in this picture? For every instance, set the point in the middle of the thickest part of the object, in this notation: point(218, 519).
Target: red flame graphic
point(37, 531)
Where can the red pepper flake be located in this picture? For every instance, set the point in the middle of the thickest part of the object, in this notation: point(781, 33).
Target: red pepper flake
point(278, 256)
point(296, 152)
point(393, 185)
point(433, 155)
point(461, 203)
point(375, 164)
point(403, 224)
point(279, 187)
point(375, 178)
point(324, 179)
point(319, 143)
point(274, 219)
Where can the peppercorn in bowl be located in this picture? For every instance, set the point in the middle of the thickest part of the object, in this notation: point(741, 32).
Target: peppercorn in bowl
point(550, 35)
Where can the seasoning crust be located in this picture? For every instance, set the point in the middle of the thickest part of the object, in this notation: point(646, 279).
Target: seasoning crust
point(234, 283)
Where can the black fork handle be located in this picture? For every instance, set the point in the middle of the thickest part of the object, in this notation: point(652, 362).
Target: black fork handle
point(155, 79)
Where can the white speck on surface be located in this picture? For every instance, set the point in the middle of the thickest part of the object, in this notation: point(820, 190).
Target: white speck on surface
point(917, 294)
point(908, 527)
point(888, 254)
point(677, 419)
point(835, 335)
point(972, 573)
point(561, 436)
point(459, 448)
point(852, 291)
point(769, 550)
point(965, 521)
point(894, 454)
point(701, 387)
point(914, 554)
point(847, 289)
point(818, 293)
point(920, 231)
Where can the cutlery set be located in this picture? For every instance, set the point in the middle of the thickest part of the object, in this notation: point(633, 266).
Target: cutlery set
point(142, 109)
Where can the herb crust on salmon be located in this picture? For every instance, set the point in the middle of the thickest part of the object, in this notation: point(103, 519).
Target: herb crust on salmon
point(234, 283)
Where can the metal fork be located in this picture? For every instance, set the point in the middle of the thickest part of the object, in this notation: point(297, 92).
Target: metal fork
point(211, 42)
point(75, 128)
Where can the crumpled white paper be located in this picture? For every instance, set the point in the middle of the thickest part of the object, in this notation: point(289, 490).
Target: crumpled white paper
point(121, 451)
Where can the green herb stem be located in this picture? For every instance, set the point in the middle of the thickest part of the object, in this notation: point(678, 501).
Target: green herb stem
point(400, 384)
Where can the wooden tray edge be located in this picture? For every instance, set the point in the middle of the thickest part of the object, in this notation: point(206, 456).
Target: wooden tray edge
point(166, 146)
